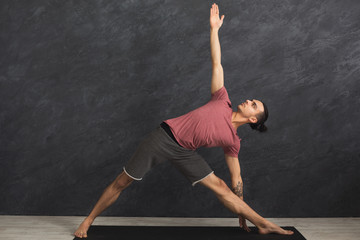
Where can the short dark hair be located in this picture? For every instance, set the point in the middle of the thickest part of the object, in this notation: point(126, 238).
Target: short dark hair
point(261, 117)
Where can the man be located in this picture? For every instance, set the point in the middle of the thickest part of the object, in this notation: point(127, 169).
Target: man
point(213, 124)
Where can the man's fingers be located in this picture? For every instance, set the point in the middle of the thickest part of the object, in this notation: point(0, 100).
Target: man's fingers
point(243, 225)
point(246, 227)
point(214, 9)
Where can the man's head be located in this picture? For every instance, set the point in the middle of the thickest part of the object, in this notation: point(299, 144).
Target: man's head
point(256, 112)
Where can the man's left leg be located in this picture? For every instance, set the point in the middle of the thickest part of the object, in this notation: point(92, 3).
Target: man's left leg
point(238, 206)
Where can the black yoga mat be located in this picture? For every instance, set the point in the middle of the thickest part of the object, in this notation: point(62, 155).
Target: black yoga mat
point(183, 233)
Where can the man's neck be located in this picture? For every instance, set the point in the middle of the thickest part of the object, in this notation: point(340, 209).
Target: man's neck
point(237, 120)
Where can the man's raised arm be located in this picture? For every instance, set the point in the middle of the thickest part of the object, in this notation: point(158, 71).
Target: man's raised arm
point(217, 80)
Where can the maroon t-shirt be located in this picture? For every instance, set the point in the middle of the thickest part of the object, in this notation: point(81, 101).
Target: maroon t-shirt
point(208, 126)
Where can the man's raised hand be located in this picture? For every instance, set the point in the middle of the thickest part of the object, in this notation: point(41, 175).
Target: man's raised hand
point(215, 21)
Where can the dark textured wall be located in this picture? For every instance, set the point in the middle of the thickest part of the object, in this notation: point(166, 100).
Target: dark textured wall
point(81, 82)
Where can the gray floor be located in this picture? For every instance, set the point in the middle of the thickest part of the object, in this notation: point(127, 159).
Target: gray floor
point(63, 227)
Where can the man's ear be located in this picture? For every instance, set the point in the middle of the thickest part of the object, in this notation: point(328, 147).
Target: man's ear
point(253, 119)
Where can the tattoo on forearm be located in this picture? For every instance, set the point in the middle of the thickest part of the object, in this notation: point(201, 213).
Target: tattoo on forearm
point(238, 190)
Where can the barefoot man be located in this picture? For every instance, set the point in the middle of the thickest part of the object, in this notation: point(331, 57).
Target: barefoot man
point(176, 139)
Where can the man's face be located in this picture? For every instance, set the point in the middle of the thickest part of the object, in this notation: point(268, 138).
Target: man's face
point(250, 108)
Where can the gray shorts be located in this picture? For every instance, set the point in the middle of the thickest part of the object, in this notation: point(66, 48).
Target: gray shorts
point(157, 147)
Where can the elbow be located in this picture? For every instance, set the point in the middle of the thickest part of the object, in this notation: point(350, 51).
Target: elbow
point(216, 65)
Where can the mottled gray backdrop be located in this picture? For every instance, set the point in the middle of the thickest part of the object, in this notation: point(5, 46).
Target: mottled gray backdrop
point(81, 82)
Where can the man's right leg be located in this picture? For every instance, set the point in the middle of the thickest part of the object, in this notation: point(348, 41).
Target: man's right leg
point(109, 196)
point(238, 206)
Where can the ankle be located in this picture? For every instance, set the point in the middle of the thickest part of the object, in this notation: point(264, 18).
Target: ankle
point(263, 224)
point(89, 219)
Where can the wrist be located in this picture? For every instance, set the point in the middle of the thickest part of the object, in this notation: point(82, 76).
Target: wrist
point(214, 29)
point(237, 188)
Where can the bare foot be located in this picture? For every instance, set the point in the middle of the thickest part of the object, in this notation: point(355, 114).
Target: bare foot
point(81, 232)
point(273, 228)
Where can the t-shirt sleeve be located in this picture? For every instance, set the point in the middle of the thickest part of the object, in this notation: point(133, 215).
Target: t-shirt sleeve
point(220, 94)
point(232, 150)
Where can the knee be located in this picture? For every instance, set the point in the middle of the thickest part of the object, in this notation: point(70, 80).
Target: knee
point(122, 181)
point(216, 184)
point(223, 187)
